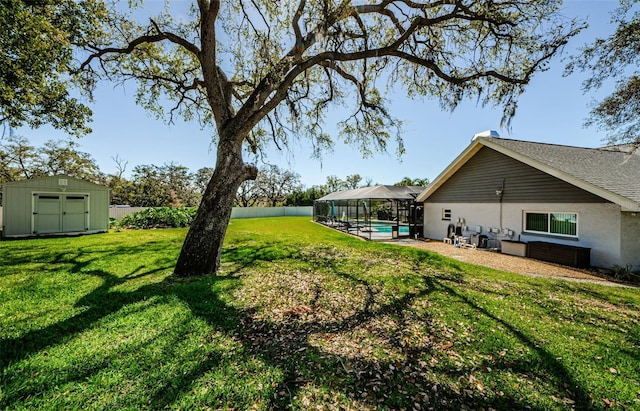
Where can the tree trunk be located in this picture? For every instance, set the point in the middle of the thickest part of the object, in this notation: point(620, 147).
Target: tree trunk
point(203, 245)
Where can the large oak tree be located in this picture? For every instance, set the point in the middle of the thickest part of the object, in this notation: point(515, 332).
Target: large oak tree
point(263, 72)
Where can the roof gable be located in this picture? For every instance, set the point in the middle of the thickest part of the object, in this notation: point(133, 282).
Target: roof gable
point(611, 175)
point(490, 172)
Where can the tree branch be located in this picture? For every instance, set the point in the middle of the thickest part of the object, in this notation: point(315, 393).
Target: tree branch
point(187, 45)
point(131, 46)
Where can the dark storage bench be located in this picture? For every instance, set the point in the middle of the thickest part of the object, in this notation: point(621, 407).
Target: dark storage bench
point(570, 255)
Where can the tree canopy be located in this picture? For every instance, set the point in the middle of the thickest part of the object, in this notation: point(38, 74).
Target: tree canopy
point(616, 57)
point(36, 57)
point(272, 187)
point(19, 160)
point(408, 181)
point(265, 72)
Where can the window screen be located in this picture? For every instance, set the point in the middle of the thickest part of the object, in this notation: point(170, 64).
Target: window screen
point(552, 223)
point(537, 222)
point(563, 223)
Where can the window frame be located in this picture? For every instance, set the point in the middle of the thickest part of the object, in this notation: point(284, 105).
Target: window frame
point(446, 214)
point(548, 231)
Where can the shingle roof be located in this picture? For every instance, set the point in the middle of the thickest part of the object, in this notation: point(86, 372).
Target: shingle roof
point(612, 173)
point(375, 193)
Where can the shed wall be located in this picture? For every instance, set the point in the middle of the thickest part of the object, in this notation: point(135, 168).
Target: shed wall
point(18, 200)
point(17, 210)
point(99, 210)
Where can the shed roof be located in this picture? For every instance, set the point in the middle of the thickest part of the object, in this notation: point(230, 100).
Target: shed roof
point(45, 180)
point(381, 192)
point(609, 172)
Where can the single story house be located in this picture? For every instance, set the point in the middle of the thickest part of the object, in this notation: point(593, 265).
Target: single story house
point(545, 197)
point(56, 205)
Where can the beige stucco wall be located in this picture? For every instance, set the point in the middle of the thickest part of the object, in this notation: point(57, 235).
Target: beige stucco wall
point(630, 244)
point(599, 226)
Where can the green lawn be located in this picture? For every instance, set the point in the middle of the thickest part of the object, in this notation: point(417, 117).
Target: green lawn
point(302, 317)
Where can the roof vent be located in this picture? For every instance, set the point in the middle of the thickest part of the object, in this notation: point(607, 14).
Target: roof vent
point(488, 133)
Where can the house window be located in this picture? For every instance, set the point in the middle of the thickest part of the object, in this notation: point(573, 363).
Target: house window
point(563, 224)
point(446, 214)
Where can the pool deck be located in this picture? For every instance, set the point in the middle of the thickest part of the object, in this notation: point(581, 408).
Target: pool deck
point(370, 235)
point(363, 231)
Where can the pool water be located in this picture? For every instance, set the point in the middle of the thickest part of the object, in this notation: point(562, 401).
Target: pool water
point(386, 228)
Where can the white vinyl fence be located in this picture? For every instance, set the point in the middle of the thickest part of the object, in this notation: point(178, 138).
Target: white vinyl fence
point(254, 212)
point(238, 212)
point(118, 212)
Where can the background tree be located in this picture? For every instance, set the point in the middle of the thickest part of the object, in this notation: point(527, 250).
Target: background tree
point(274, 184)
point(120, 189)
point(162, 186)
point(36, 43)
point(180, 183)
point(248, 194)
point(121, 166)
point(305, 197)
point(352, 181)
point(615, 57)
point(20, 160)
point(334, 183)
point(417, 182)
point(263, 71)
point(150, 189)
point(17, 159)
point(63, 157)
point(201, 179)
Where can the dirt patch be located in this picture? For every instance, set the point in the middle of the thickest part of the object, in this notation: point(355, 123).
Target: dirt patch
point(510, 263)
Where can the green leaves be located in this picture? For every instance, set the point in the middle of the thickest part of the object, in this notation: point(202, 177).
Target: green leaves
point(272, 70)
point(36, 56)
point(160, 217)
point(615, 57)
point(21, 161)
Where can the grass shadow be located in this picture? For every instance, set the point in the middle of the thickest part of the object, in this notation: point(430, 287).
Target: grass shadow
point(560, 374)
point(299, 344)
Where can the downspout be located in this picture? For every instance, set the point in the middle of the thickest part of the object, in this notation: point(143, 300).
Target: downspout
point(501, 195)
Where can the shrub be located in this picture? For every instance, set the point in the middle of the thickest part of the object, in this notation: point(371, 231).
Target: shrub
point(625, 273)
point(160, 217)
point(114, 224)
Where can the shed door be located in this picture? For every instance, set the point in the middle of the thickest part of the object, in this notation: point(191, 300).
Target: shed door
point(47, 214)
point(74, 213)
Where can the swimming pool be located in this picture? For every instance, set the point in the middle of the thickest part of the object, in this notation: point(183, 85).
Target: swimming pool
point(386, 228)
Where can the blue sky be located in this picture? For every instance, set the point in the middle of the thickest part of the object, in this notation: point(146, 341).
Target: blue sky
point(552, 110)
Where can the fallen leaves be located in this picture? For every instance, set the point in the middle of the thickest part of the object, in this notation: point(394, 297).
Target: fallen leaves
point(296, 311)
point(352, 335)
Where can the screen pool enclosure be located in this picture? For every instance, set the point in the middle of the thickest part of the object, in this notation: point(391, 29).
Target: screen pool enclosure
point(376, 213)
